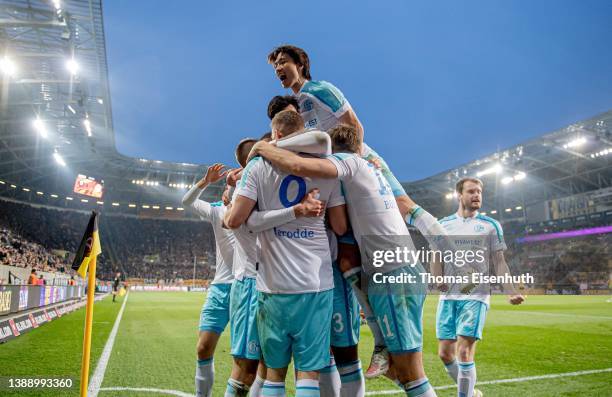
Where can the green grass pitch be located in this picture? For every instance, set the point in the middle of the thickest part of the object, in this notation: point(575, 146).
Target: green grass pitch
point(155, 347)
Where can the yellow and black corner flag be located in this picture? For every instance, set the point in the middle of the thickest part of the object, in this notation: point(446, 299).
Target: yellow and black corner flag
point(89, 248)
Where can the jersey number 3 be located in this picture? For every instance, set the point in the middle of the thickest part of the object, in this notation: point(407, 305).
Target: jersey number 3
point(284, 187)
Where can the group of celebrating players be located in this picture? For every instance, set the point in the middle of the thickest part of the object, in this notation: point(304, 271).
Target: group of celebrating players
point(293, 240)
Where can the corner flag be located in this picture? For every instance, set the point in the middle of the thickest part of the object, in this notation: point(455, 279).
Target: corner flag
point(89, 248)
point(86, 259)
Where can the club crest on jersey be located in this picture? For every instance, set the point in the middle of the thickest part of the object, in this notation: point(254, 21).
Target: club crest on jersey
point(479, 228)
point(253, 347)
point(307, 106)
point(311, 123)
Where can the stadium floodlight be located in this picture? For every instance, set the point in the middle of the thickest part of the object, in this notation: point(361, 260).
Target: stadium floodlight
point(13, 186)
point(69, 198)
point(180, 209)
point(71, 109)
point(519, 176)
point(507, 180)
point(87, 125)
point(57, 4)
point(169, 208)
point(54, 196)
point(497, 168)
point(132, 205)
point(575, 143)
point(508, 209)
point(2, 183)
point(100, 101)
point(604, 152)
point(518, 208)
point(483, 213)
point(100, 202)
point(72, 66)
point(115, 204)
point(25, 189)
point(7, 66)
point(155, 207)
point(146, 206)
point(84, 201)
point(40, 127)
point(59, 159)
point(451, 195)
point(40, 193)
point(494, 212)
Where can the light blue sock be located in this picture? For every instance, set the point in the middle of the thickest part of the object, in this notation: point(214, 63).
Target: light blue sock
point(236, 389)
point(329, 380)
point(351, 376)
point(452, 370)
point(274, 389)
point(307, 388)
point(419, 388)
point(466, 379)
point(204, 377)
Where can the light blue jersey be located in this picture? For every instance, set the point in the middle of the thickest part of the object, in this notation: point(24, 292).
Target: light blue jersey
point(478, 233)
point(321, 106)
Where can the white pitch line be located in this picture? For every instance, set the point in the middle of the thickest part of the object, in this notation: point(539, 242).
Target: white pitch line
point(495, 382)
point(98, 376)
point(147, 389)
point(585, 316)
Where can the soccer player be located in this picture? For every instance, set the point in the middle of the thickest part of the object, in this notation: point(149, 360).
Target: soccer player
point(116, 283)
point(215, 311)
point(372, 212)
point(245, 347)
point(463, 306)
point(323, 106)
point(294, 279)
point(280, 103)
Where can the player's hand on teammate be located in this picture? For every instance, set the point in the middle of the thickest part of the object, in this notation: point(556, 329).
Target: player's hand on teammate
point(310, 206)
point(213, 174)
point(233, 176)
point(516, 299)
point(255, 149)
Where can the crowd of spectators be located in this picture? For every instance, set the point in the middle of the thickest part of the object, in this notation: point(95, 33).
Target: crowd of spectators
point(153, 249)
point(571, 263)
point(19, 252)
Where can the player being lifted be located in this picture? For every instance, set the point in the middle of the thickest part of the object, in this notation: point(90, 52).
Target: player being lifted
point(323, 106)
point(372, 212)
point(245, 347)
point(294, 278)
point(215, 311)
point(462, 309)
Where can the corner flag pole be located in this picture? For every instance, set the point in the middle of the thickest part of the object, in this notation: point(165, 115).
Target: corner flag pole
point(84, 261)
point(91, 289)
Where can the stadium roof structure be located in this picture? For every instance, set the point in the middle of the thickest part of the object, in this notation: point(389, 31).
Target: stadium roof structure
point(56, 122)
point(55, 106)
point(570, 161)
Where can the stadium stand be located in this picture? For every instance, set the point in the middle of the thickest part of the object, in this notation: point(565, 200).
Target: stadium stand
point(151, 249)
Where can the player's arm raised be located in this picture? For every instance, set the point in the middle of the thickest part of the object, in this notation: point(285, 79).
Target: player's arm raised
point(292, 163)
point(192, 197)
point(501, 268)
